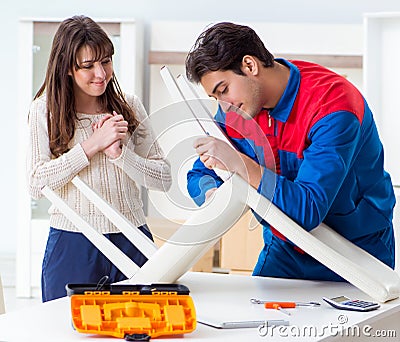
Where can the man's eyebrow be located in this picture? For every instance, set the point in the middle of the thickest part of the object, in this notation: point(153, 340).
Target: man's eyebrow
point(216, 87)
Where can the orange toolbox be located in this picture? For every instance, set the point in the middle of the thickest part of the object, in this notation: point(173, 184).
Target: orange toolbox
point(133, 312)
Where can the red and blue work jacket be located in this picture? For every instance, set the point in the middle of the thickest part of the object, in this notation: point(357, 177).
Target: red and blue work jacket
point(321, 153)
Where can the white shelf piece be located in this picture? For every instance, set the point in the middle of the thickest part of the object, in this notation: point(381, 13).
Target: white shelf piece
point(381, 82)
point(114, 254)
point(133, 234)
point(234, 196)
point(217, 215)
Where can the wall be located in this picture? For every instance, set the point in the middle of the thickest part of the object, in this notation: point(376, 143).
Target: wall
point(292, 11)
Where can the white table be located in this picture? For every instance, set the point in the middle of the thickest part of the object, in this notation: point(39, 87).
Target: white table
point(228, 296)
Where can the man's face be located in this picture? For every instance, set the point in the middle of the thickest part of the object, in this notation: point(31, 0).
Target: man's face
point(242, 94)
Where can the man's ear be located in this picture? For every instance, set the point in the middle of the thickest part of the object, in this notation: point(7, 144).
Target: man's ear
point(249, 65)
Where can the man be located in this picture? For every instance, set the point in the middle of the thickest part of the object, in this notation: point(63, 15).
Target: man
point(327, 157)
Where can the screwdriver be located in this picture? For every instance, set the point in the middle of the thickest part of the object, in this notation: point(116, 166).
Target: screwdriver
point(291, 304)
point(280, 306)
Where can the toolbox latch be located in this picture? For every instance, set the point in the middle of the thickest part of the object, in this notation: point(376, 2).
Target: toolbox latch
point(137, 337)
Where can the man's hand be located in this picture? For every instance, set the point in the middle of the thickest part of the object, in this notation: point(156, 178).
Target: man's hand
point(209, 193)
point(215, 153)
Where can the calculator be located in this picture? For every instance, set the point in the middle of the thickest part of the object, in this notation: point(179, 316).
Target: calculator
point(344, 303)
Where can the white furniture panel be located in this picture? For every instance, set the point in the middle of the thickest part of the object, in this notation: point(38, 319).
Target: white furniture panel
point(381, 82)
point(2, 306)
point(396, 225)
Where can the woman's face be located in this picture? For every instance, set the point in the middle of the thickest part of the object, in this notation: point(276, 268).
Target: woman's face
point(92, 77)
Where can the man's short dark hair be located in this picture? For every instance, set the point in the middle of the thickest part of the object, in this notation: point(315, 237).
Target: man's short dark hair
point(222, 47)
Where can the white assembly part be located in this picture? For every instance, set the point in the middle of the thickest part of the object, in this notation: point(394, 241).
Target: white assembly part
point(196, 236)
point(114, 254)
point(216, 216)
point(181, 91)
point(134, 235)
point(200, 109)
point(324, 244)
point(170, 83)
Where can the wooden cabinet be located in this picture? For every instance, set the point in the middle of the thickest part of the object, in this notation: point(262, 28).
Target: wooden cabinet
point(241, 245)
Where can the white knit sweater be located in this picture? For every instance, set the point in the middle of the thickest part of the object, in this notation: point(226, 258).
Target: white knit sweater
point(117, 181)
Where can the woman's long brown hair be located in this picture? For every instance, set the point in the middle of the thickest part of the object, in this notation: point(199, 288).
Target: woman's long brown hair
point(72, 34)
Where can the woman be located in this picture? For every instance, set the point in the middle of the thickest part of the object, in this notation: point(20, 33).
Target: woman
point(82, 124)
